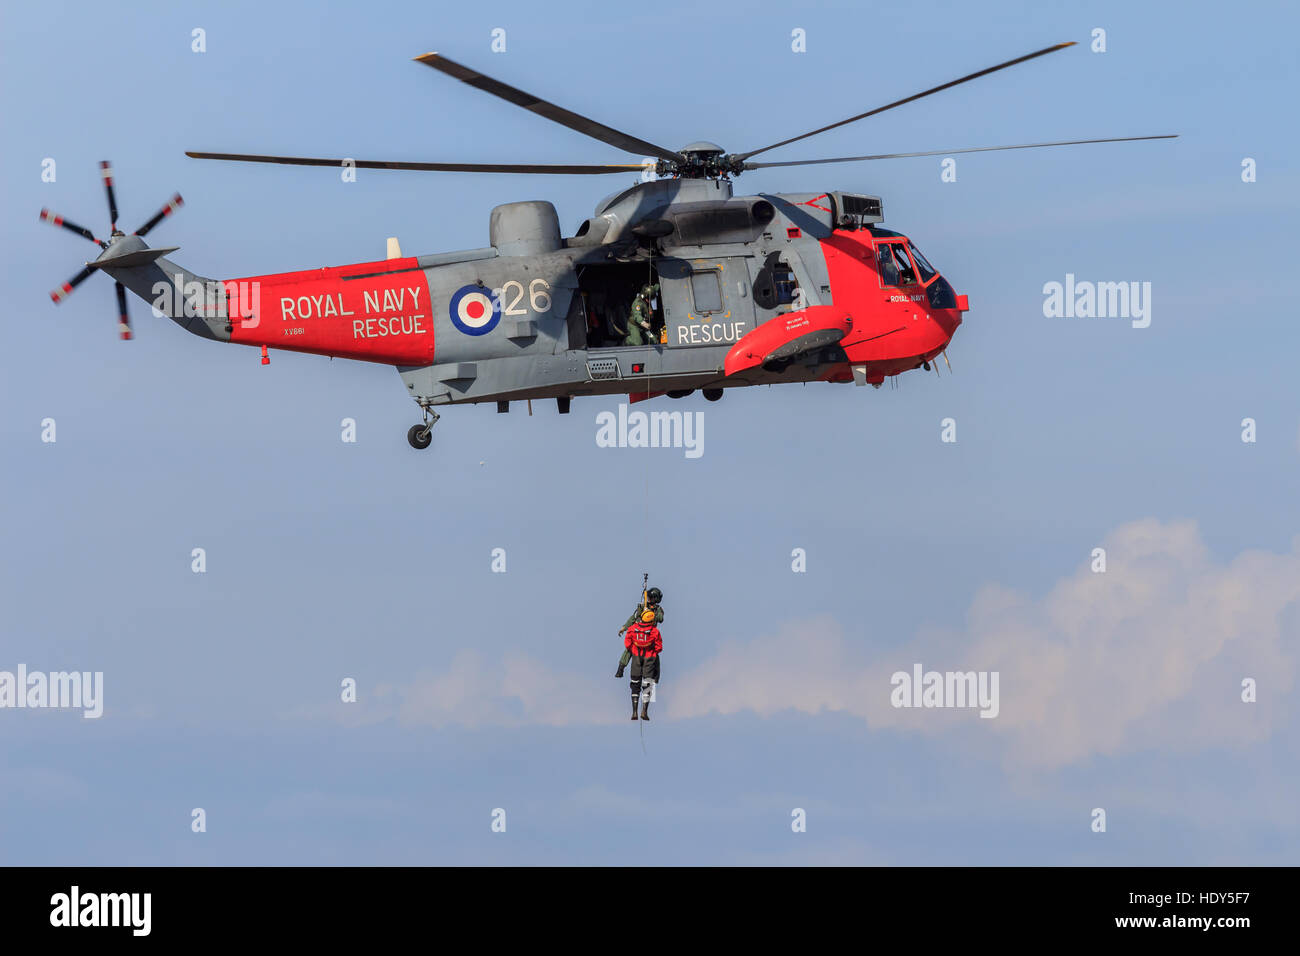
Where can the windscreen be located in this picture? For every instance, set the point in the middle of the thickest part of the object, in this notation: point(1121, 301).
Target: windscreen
point(926, 271)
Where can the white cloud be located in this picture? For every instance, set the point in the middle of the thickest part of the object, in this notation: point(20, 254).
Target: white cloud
point(475, 692)
point(1150, 654)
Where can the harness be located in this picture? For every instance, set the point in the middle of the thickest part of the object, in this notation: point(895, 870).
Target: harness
point(642, 642)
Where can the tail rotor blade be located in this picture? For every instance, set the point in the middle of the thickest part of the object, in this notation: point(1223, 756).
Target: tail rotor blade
point(124, 318)
point(172, 205)
point(63, 291)
point(57, 220)
point(106, 170)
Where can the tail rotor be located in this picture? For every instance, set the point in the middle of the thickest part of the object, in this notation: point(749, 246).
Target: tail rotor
point(115, 236)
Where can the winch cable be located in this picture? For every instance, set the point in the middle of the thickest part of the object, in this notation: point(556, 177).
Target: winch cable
point(645, 576)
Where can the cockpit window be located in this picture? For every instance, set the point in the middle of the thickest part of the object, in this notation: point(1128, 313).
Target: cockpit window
point(895, 268)
point(885, 260)
point(923, 266)
point(906, 274)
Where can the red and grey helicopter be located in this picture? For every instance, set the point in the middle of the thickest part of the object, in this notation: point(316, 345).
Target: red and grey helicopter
point(735, 290)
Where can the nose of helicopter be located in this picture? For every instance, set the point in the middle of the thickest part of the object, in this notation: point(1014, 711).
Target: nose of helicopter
point(946, 321)
point(949, 318)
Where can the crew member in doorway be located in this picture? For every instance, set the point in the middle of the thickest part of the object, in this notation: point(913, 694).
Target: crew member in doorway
point(645, 644)
point(638, 322)
point(651, 602)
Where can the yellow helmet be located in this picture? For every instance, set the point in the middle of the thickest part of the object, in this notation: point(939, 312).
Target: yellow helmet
point(647, 616)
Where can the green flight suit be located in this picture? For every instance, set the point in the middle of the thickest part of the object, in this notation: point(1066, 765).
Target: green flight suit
point(632, 619)
point(638, 323)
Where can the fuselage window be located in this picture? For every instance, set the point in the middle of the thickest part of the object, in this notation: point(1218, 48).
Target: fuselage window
point(775, 285)
point(786, 286)
point(706, 288)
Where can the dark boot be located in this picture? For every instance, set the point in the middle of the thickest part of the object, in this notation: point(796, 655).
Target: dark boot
point(634, 708)
point(645, 711)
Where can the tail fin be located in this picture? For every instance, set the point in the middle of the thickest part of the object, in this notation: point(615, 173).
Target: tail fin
point(195, 303)
point(141, 257)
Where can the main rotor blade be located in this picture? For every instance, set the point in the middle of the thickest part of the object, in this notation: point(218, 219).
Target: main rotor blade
point(569, 170)
point(124, 319)
point(555, 114)
point(172, 205)
point(57, 220)
point(106, 170)
point(948, 152)
point(909, 99)
point(63, 291)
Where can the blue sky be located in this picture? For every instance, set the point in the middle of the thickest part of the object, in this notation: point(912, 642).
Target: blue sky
point(477, 690)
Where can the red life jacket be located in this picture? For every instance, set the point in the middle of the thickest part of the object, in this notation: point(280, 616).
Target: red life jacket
point(643, 640)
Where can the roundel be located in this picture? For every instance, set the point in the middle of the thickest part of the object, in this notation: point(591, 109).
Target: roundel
point(474, 311)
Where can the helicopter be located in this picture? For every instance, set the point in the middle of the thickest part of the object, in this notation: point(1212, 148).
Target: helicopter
point(734, 290)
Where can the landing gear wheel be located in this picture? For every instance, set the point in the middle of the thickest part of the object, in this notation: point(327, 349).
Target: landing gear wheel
point(420, 436)
point(712, 394)
point(679, 392)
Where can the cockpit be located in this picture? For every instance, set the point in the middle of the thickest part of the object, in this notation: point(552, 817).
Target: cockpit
point(900, 264)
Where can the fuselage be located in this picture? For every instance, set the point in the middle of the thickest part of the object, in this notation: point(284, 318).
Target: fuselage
point(535, 315)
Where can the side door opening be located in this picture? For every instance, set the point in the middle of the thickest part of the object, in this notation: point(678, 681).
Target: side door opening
point(606, 292)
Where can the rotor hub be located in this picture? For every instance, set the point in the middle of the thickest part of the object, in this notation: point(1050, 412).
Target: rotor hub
point(704, 160)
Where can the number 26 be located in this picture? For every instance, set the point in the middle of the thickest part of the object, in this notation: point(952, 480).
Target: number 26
point(539, 297)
